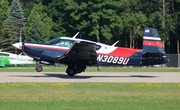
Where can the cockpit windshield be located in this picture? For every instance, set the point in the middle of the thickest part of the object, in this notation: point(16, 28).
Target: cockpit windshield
point(61, 42)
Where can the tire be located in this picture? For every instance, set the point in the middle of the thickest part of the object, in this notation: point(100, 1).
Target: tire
point(39, 68)
point(70, 72)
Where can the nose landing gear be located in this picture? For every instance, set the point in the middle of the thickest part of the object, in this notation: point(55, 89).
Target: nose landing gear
point(38, 67)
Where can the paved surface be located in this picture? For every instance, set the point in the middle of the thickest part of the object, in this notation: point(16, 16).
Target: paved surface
point(154, 77)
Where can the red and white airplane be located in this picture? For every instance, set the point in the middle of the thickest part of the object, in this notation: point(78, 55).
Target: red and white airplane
point(79, 53)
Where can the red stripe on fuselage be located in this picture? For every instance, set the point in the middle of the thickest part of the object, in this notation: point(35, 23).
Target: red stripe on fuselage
point(123, 52)
point(44, 47)
point(152, 43)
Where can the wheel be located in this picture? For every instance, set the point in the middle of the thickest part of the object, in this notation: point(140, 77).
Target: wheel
point(39, 68)
point(70, 71)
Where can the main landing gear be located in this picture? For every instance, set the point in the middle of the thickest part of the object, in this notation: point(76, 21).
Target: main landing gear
point(71, 71)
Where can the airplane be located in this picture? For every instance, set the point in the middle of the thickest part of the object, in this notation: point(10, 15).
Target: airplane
point(79, 53)
point(7, 58)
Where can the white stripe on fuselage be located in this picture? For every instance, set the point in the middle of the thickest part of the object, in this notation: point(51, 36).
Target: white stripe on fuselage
point(151, 38)
point(46, 46)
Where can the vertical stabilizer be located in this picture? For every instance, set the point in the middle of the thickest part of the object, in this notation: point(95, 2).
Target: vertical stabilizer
point(153, 50)
point(152, 41)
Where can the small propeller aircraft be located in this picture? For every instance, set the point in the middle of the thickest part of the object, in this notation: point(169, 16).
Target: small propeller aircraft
point(7, 58)
point(79, 53)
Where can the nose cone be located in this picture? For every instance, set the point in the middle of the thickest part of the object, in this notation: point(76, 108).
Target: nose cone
point(18, 45)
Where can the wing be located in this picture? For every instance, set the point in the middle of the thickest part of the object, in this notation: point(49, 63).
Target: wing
point(80, 52)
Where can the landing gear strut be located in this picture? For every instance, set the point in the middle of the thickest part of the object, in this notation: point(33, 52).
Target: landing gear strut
point(38, 67)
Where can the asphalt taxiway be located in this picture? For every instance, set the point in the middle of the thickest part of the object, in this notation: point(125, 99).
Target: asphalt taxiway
point(153, 77)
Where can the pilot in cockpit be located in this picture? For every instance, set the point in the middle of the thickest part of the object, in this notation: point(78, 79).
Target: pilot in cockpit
point(65, 43)
point(68, 43)
point(71, 43)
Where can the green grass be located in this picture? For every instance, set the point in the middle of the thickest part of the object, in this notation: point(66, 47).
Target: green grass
point(89, 96)
point(90, 69)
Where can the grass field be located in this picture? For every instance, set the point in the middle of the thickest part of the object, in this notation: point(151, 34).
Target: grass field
point(90, 69)
point(89, 96)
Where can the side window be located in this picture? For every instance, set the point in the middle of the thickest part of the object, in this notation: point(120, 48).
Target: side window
point(54, 41)
point(98, 47)
point(2, 54)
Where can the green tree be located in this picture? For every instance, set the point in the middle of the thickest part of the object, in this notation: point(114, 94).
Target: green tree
point(3, 14)
point(134, 21)
point(38, 25)
point(176, 21)
point(28, 5)
point(3, 10)
point(12, 25)
point(55, 9)
point(96, 19)
point(160, 14)
point(107, 21)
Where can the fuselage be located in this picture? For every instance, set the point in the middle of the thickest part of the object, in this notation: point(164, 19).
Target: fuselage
point(106, 54)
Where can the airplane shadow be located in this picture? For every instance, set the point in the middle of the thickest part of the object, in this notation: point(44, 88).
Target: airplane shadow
point(65, 76)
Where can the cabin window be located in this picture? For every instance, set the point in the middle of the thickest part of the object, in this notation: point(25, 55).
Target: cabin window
point(54, 41)
point(61, 42)
point(98, 47)
point(65, 43)
point(3, 54)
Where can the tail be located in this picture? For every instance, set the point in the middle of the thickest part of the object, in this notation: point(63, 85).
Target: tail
point(153, 50)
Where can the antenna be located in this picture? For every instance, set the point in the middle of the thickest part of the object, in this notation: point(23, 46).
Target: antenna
point(75, 35)
point(20, 36)
point(115, 43)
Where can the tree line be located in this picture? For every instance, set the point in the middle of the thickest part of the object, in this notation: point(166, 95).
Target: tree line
point(103, 21)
